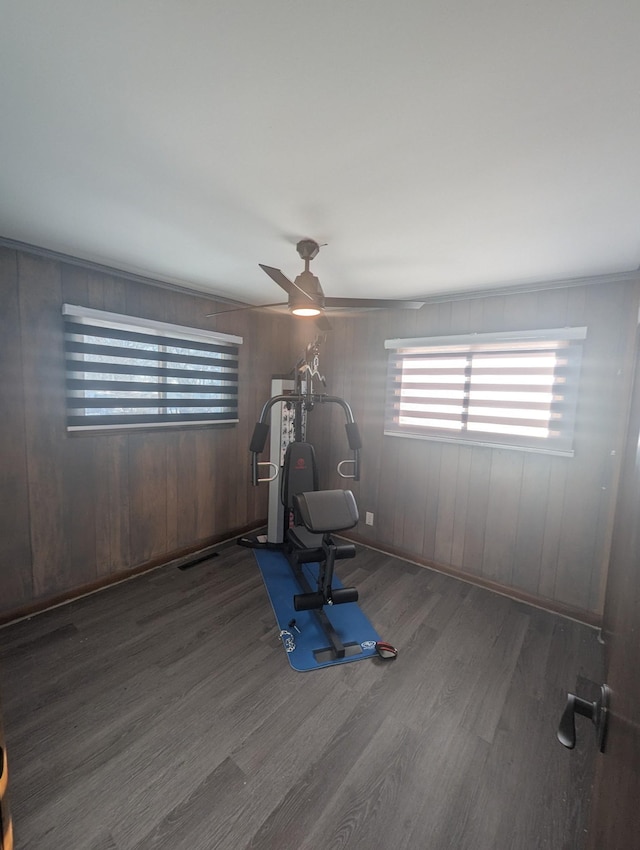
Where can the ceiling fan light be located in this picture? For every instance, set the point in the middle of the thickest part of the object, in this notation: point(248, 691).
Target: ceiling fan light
point(306, 311)
point(305, 303)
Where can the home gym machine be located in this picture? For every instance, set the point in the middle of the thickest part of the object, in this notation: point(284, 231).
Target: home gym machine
point(298, 397)
point(303, 518)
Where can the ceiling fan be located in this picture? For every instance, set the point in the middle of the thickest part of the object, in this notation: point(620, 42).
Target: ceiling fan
point(306, 297)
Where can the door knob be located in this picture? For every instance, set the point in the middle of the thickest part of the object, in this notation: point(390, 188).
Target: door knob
point(597, 712)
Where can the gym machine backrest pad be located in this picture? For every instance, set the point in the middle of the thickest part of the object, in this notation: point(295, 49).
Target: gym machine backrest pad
point(299, 475)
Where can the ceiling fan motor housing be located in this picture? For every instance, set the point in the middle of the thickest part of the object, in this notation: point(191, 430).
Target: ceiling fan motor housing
point(307, 249)
point(309, 284)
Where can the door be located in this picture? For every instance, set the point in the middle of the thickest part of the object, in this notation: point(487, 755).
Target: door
point(615, 807)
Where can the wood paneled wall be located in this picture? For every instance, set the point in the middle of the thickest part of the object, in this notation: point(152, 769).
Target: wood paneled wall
point(79, 509)
point(533, 524)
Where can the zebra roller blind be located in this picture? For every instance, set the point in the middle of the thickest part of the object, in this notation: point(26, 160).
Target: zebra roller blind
point(513, 390)
point(126, 372)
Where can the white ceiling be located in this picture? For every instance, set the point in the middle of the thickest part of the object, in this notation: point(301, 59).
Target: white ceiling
point(434, 146)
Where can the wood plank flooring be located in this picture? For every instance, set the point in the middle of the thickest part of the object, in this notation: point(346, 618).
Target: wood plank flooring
point(162, 713)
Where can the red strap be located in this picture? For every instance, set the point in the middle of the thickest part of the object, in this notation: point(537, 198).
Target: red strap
point(382, 646)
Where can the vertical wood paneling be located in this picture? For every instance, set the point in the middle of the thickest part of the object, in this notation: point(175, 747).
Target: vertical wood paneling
point(371, 419)
point(552, 309)
point(173, 507)
point(42, 354)
point(251, 404)
point(331, 417)
point(461, 316)
point(434, 461)
point(389, 488)
point(465, 457)
point(226, 477)
point(206, 456)
point(446, 507)
point(15, 543)
point(102, 512)
point(415, 512)
point(146, 301)
point(577, 543)
point(493, 313)
point(396, 503)
point(553, 528)
point(102, 503)
point(502, 516)
point(518, 310)
point(75, 286)
point(148, 495)
point(111, 498)
point(80, 508)
point(477, 505)
point(530, 525)
point(537, 523)
point(114, 293)
point(186, 489)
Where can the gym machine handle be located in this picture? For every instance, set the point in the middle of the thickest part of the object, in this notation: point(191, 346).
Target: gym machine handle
point(355, 444)
point(344, 474)
point(258, 441)
point(261, 432)
point(274, 466)
point(597, 712)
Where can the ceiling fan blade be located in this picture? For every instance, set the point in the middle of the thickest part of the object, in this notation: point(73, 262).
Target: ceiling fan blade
point(289, 286)
point(250, 307)
point(279, 278)
point(323, 323)
point(389, 303)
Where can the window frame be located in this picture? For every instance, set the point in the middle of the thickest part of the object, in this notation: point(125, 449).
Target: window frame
point(142, 376)
point(463, 413)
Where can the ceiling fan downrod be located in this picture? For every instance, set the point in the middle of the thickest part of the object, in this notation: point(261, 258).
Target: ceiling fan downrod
point(307, 250)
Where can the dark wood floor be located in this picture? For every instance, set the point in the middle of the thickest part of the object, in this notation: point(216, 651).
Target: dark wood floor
point(163, 713)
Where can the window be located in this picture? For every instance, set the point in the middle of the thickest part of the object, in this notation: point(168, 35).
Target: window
point(124, 372)
point(515, 390)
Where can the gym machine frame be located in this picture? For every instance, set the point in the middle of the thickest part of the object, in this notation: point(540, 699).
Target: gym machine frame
point(303, 399)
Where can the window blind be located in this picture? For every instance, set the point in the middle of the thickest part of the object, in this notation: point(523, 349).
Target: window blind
point(122, 371)
point(516, 390)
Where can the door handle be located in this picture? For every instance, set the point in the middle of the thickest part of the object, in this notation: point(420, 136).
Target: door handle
point(597, 712)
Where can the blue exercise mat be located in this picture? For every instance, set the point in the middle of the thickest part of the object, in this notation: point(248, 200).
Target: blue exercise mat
point(307, 646)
